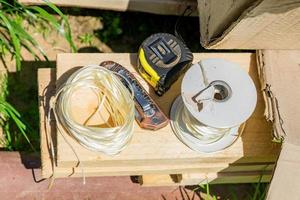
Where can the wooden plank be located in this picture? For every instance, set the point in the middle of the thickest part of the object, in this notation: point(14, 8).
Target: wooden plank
point(46, 88)
point(204, 178)
point(125, 171)
point(256, 132)
point(151, 170)
point(239, 173)
point(145, 165)
point(46, 79)
point(165, 7)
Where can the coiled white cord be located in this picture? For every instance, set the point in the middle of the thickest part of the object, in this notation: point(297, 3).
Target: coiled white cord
point(112, 95)
point(205, 134)
point(217, 97)
point(197, 135)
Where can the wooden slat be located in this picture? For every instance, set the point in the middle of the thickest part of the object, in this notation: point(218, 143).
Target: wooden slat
point(46, 88)
point(204, 178)
point(254, 146)
point(232, 174)
point(125, 171)
point(144, 145)
point(165, 7)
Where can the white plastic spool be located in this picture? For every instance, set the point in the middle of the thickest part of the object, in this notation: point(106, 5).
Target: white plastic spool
point(219, 96)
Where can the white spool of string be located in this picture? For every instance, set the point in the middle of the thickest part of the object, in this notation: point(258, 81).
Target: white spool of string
point(217, 96)
point(112, 95)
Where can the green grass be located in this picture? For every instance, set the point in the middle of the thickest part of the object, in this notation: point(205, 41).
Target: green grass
point(253, 191)
point(19, 135)
point(86, 39)
point(14, 128)
point(13, 36)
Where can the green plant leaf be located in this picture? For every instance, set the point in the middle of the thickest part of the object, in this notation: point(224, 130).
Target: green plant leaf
point(11, 8)
point(257, 189)
point(68, 33)
point(42, 13)
point(5, 43)
point(11, 112)
point(8, 140)
point(15, 40)
point(25, 37)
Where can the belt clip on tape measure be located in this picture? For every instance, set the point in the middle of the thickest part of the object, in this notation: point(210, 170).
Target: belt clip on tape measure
point(162, 58)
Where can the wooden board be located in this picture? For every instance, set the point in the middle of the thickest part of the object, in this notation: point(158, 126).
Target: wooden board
point(165, 7)
point(171, 157)
point(233, 174)
point(203, 178)
point(170, 148)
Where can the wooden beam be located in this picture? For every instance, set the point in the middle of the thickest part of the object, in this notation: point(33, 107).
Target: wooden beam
point(204, 178)
point(164, 7)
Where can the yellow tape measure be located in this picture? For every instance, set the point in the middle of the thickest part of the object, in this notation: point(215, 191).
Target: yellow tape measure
point(162, 58)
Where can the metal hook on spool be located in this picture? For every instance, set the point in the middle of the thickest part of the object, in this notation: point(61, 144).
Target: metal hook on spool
point(207, 115)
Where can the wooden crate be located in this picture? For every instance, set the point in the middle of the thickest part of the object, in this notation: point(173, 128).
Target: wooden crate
point(159, 153)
